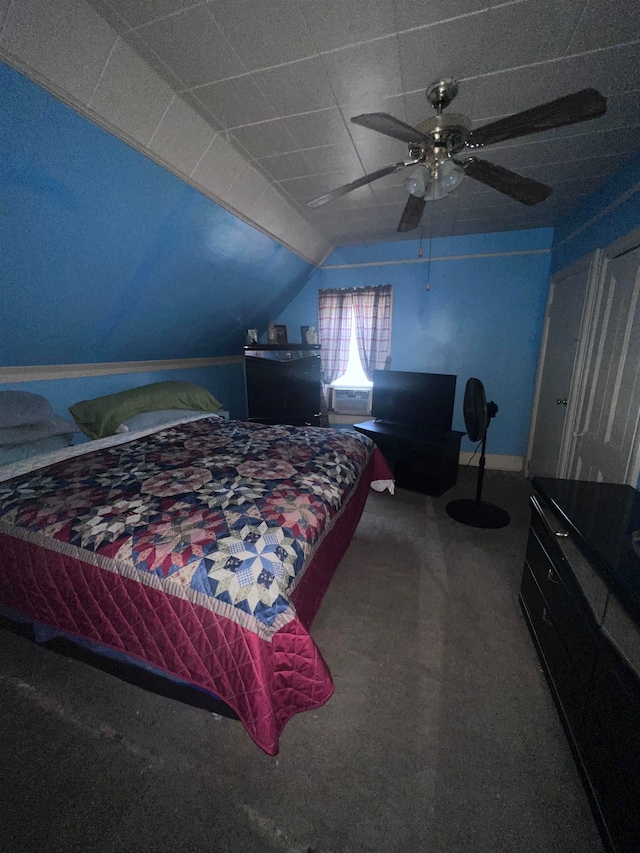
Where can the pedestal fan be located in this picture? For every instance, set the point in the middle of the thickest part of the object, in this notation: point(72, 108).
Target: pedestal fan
point(477, 417)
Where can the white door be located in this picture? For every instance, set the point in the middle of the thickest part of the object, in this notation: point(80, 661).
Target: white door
point(556, 394)
point(606, 441)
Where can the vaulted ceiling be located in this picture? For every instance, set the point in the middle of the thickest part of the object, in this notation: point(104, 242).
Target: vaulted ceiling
point(283, 78)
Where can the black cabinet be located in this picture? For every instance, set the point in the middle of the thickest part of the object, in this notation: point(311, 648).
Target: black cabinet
point(283, 384)
point(421, 461)
point(580, 595)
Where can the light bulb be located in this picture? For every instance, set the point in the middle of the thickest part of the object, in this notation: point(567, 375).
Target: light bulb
point(449, 175)
point(416, 183)
point(435, 190)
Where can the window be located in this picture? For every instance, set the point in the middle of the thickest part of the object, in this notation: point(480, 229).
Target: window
point(354, 376)
point(354, 327)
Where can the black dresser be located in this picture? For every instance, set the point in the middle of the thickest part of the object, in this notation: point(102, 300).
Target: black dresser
point(284, 384)
point(421, 460)
point(580, 596)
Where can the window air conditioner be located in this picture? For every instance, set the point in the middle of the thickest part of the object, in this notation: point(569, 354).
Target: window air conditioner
point(347, 401)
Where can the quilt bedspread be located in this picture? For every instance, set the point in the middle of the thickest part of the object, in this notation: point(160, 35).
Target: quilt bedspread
point(183, 548)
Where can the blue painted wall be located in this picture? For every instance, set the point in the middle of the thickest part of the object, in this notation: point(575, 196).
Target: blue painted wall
point(225, 382)
point(586, 229)
point(482, 316)
point(106, 256)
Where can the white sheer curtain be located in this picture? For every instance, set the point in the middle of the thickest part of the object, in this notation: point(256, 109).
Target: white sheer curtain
point(369, 308)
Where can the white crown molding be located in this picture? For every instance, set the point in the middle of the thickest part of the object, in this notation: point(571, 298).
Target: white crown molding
point(469, 257)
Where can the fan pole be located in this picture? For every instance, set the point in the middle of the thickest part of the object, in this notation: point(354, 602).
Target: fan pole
point(476, 513)
point(481, 465)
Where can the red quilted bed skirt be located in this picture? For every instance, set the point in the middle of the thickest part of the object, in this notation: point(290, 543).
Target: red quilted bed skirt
point(266, 683)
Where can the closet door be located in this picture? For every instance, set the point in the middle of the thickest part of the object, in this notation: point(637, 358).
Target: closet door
point(607, 433)
point(562, 352)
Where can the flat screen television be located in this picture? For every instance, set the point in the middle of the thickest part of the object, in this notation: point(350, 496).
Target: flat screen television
point(422, 400)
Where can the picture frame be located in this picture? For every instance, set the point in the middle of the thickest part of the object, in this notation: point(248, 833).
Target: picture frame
point(281, 333)
point(252, 336)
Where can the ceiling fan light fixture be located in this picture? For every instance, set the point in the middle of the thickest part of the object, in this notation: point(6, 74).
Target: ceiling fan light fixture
point(435, 190)
point(416, 183)
point(450, 174)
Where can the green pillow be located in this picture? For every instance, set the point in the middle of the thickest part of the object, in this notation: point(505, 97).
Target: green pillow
point(102, 416)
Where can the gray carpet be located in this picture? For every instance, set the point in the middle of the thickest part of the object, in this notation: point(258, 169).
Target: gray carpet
point(441, 735)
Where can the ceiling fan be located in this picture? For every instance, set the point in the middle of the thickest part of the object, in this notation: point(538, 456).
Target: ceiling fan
point(434, 144)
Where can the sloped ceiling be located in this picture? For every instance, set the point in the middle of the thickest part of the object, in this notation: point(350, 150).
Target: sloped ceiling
point(284, 77)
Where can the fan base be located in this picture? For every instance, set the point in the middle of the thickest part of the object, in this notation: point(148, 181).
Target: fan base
point(488, 516)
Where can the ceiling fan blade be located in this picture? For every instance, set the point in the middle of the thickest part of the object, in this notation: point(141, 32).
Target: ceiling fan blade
point(390, 126)
point(360, 182)
point(412, 213)
point(517, 186)
point(581, 106)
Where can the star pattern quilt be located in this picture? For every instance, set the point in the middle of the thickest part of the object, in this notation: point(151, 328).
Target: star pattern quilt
point(204, 529)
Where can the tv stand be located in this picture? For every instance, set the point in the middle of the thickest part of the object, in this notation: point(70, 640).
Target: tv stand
point(421, 460)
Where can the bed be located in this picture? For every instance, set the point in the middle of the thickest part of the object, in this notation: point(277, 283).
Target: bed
point(202, 549)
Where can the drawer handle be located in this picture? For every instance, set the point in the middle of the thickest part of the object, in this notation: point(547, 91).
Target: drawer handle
point(561, 534)
point(551, 577)
point(545, 616)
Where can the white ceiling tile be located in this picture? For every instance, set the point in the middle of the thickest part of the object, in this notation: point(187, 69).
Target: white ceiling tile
point(366, 71)
point(144, 11)
point(510, 92)
point(266, 138)
point(151, 58)
point(389, 195)
point(194, 102)
point(334, 158)
point(576, 170)
point(316, 185)
point(107, 11)
point(264, 36)
point(451, 49)
point(4, 8)
point(610, 142)
point(416, 13)
point(324, 127)
point(606, 22)
point(296, 88)
point(611, 71)
point(236, 102)
point(182, 136)
point(377, 151)
point(285, 166)
point(130, 94)
point(219, 167)
point(335, 23)
point(67, 42)
point(268, 207)
point(193, 47)
point(532, 31)
point(244, 193)
point(295, 117)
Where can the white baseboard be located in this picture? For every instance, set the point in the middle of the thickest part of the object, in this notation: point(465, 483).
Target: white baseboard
point(494, 461)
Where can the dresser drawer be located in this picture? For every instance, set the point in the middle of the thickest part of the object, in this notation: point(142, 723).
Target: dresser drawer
point(568, 689)
point(572, 622)
point(618, 803)
point(615, 699)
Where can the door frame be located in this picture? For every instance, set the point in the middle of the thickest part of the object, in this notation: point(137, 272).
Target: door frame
point(590, 264)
